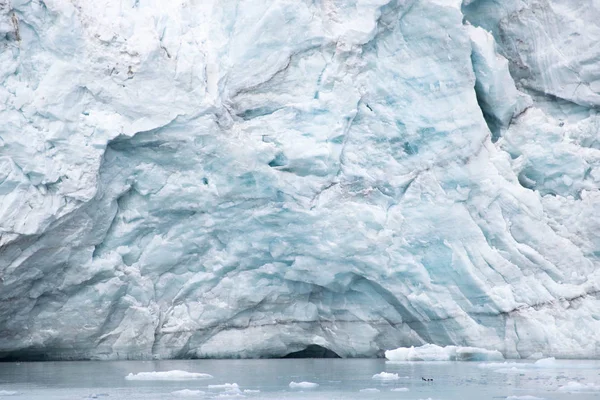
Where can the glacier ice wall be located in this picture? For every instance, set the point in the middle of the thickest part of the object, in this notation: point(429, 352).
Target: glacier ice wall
point(248, 178)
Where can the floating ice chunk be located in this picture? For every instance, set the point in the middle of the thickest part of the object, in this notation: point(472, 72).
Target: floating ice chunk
point(386, 376)
point(7, 393)
point(251, 391)
point(577, 387)
point(546, 363)
point(402, 389)
point(369, 390)
point(174, 375)
point(432, 352)
point(526, 397)
point(187, 393)
point(225, 386)
point(303, 385)
point(229, 390)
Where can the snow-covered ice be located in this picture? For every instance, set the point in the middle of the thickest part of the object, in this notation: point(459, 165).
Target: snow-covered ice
point(174, 375)
point(250, 178)
point(402, 389)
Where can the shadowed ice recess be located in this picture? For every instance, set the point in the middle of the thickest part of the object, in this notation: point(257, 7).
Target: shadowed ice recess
point(264, 178)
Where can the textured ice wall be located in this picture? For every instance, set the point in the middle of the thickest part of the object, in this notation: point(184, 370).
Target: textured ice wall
point(247, 178)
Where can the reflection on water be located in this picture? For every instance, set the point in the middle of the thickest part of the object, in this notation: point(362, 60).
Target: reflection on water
point(270, 379)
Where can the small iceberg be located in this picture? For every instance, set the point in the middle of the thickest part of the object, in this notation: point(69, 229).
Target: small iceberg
point(370, 390)
point(7, 393)
point(174, 375)
point(303, 385)
point(229, 390)
point(225, 386)
point(432, 352)
point(402, 389)
point(386, 376)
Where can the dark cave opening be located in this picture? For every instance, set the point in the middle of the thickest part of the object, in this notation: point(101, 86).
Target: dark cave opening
point(313, 351)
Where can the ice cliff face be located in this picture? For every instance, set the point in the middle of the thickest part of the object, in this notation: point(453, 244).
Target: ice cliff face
point(248, 178)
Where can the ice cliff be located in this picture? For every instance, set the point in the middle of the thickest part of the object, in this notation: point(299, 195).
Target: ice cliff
point(247, 178)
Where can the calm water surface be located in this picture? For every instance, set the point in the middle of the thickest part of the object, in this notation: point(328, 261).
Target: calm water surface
point(337, 379)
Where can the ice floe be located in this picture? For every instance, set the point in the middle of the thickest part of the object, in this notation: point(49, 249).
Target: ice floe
point(432, 352)
point(174, 375)
point(386, 376)
point(303, 385)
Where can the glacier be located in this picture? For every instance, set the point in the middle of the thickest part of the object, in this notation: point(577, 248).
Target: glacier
point(249, 178)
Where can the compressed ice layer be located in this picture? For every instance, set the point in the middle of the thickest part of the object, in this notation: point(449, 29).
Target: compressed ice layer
point(174, 375)
point(431, 352)
point(248, 179)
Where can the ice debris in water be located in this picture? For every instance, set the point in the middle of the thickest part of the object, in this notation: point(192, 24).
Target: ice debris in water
point(526, 397)
point(518, 367)
point(303, 385)
point(386, 376)
point(251, 391)
point(578, 387)
point(432, 352)
point(402, 389)
point(188, 393)
point(174, 375)
point(225, 386)
point(370, 390)
point(228, 390)
point(7, 393)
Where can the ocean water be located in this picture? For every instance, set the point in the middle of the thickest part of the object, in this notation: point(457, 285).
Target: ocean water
point(270, 379)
